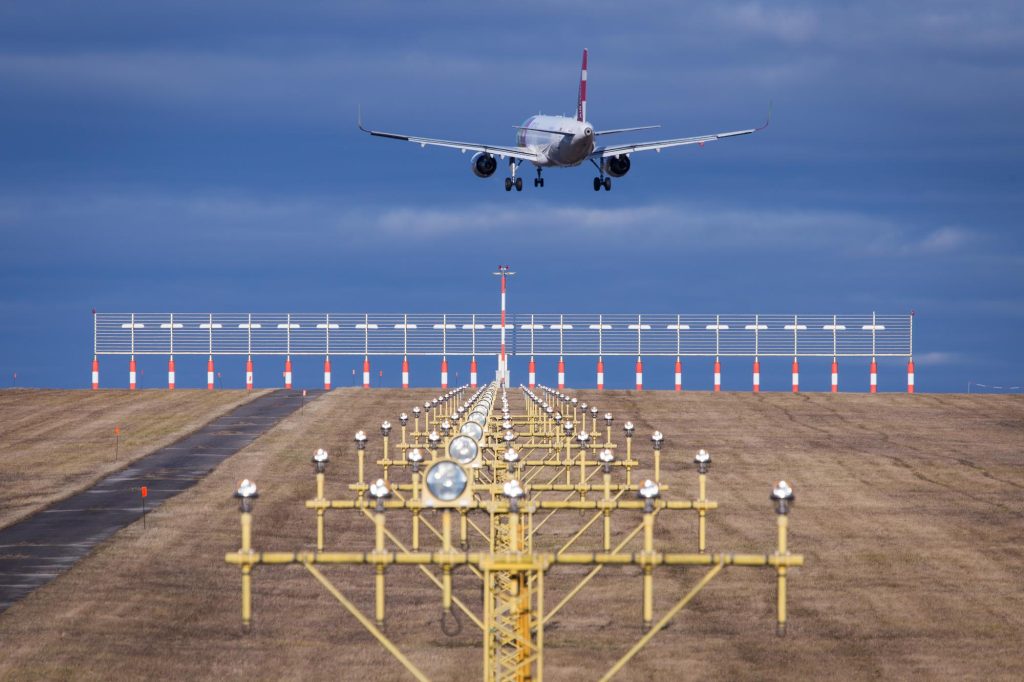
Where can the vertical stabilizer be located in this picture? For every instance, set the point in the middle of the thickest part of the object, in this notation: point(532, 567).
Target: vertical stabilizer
point(581, 101)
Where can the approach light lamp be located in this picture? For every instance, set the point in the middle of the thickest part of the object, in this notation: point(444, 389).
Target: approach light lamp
point(608, 418)
point(783, 497)
point(446, 485)
point(433, 402)
point(548, 409)
point(426, 404)
point(473, 430)
point(568, 426)
point(246, 493)
point(575, 402)
point(593, 412)
point(649, 492)
point(507, 424)
point(606, 457)
point(463, 449)
point(628, 429)
point(514, 492)
point(657, 438)
point(478, 418)
point(509, 437)
point(511, 456)
point(583, 406)
point(433, 438)
point(558, 417)
point(403, 419)
point(320, 458)
point(446, 427)
point(584, 438)
point(416, 412)
point(415, 458)
point(703, 461)
point(460, 410)
point(385, 428)
point(360, 440)
point(380, 491)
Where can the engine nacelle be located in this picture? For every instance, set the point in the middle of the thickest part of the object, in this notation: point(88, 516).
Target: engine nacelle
point(616, 166)
point(484, 165)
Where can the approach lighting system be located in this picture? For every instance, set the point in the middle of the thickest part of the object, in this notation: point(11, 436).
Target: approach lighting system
point(514, 492)
point(473, 430)
point(649, 492)
point(463, 449)
point(447, 485)
point(320, 458)
point(246, 493)
point(385, 428)
point(403, 419)
point(703, 461)
point(360, 440)
point(627, 428)
point(415, 458)
point(606, 457)
point(380, 491)
point(657, 439)
point(783, 497)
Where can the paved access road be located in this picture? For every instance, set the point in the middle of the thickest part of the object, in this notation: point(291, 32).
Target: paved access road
point(38, 549)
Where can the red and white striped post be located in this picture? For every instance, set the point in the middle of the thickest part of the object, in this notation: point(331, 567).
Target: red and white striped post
point(170, 373)
point(796, 376)
point(835, 375)
point(444, 373)
point(209, 374)
point(95, 373)
point(874, 376)
point(561, 374)
point(639, 374)
point(533, 373)
point(718, 376)
point(288, 372)
point(679, 374)
point(757, 375)
point(366, 371)
point(472, 372)
point(504, 271)
point(248, 373)
point(327, 373)
point(910, 375)
point(131, 374)
point(405, 371)
point(600, 374)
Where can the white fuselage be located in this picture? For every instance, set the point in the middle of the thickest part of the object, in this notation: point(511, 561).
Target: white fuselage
point(555, 148)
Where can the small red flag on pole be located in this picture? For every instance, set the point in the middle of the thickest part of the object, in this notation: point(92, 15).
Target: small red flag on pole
point(145, 491)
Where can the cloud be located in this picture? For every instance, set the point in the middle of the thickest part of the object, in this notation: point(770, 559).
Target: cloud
point(945, 239)
point(940, 358)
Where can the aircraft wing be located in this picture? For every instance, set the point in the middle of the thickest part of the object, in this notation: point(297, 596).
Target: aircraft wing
point(514, 152)
point(658, 145)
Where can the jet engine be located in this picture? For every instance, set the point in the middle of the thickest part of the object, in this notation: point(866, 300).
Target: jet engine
point(484, 165)
point(616, 166)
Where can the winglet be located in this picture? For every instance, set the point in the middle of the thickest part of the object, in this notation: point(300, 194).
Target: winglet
point(359, 118)
point(768, 119)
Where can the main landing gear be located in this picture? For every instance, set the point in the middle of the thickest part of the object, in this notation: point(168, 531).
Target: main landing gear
point(538, 181)
point(513, 181)
point(601, 181)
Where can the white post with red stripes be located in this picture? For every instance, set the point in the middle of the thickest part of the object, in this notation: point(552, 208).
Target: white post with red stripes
point(910, 375)
point(533, 373)
point(835, 375)
point(209, 374)
point(874, 376)
point(796, 376)
point(405, 371)
point(327, 373)
point(757, 353)
point(288, 371)
point(170, 373)
point(472, 372)
point(444, 373)
point(131, 374)
point(366, 371)
point(874, 365)
point(718, 375)
point(504, 271)
point(95, 373)
point(248, 373)
point(600, 373)
point(678, 374)
point(639, 374)
point(288, 354)
point(444, 352)
point(835, 357)
point(561, 374)
point(718, 365)
point(757, 375)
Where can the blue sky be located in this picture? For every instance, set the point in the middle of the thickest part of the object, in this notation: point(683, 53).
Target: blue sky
point(197, 156)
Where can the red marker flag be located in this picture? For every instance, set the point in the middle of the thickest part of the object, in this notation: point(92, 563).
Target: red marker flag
point(145, 491)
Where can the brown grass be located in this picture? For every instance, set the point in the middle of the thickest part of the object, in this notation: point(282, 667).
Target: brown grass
point(908, 511)
point(56, 443)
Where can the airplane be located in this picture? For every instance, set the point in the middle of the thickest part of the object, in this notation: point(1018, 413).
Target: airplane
point(561, 142)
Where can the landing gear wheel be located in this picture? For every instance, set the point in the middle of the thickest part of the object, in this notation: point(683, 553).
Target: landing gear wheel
point(607, 184)
point(519, 184)
point(538, 182)
point(508, 184)
point(597, 184)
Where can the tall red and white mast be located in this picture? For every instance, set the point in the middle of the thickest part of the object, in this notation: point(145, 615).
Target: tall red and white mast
point(504, 271)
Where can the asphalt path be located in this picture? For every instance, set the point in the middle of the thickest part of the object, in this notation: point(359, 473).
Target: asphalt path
point(35, 551)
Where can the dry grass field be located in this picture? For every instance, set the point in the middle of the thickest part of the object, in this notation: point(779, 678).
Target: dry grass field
point(910, 512)
point(55, 443)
